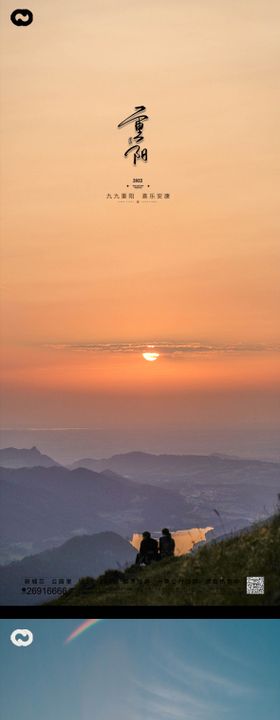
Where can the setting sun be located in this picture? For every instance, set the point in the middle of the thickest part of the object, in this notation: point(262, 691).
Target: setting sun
point(150, 356)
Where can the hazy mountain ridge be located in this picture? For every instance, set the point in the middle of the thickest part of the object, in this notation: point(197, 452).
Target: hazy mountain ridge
point(241, 490)
point(12, 457)
point(79, 556)
point(42, 507)
point(143, 466)
point(48, 505)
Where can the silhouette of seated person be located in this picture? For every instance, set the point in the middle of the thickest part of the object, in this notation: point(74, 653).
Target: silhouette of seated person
point(166, 544)
point(148, 550)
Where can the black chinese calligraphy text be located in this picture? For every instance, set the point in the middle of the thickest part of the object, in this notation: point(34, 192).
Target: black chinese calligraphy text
point(138, 118)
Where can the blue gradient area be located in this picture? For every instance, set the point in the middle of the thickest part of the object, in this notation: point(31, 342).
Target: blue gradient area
point(142, 669)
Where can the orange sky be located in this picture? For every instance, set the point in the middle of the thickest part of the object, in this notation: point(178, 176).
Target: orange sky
point(201, 267)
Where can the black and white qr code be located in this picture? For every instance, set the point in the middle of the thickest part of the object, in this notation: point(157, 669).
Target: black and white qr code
point(255, 586)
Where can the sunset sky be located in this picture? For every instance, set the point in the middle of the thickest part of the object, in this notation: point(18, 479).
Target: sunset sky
point(89, 283)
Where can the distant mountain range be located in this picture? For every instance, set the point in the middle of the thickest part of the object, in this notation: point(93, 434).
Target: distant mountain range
point(87, 555)
point(155, 469)
point(43, 504)
point(43, 507)
point(241, 490)
point(24, 457)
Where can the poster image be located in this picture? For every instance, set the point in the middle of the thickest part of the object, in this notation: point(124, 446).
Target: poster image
point(140, 305)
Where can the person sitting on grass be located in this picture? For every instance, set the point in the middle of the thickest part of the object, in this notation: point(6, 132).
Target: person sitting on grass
point(148, 550)
point(166, 544)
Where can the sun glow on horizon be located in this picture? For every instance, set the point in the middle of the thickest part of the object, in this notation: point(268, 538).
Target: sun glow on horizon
point(150, 356)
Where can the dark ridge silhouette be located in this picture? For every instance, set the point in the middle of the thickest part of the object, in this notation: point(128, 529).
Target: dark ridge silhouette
point(81, 556)
point(23, 457)
point(45, 506)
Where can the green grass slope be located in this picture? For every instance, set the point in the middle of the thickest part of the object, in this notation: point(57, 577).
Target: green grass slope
point(215, 575)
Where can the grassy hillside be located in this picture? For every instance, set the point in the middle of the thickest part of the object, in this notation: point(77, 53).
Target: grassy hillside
point(215, 575)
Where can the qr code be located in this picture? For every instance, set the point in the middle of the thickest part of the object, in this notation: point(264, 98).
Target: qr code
point(255, 586)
